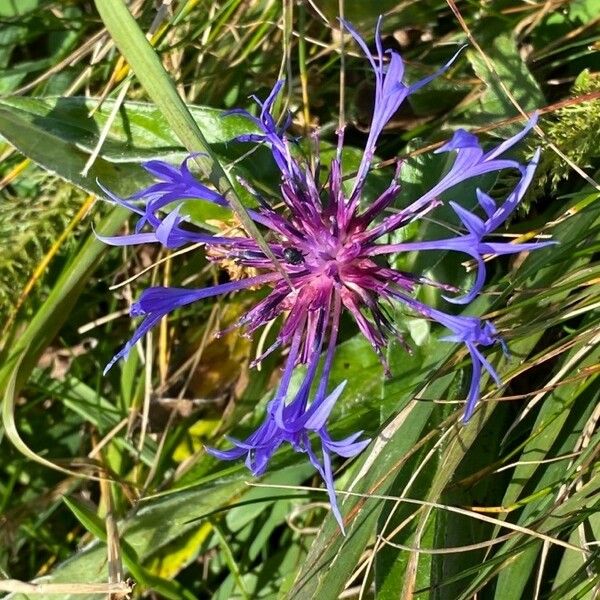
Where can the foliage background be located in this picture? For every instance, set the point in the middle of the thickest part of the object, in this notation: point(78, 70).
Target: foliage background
point(505, 508)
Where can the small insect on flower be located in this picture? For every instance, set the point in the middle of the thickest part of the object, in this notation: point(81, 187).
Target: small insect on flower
point(293, 256)
point(333, 246)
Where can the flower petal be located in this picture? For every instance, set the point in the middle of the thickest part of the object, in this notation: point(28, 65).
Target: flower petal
point(510, 142)
point(423, 82)
point(473, 396)
point(317, 415)
point(128, 240)
point(472, 222)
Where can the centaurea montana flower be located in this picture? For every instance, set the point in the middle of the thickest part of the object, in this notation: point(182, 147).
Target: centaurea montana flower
point(327, 241)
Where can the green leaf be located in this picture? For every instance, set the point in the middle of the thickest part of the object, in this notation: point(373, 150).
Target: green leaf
point(37, 139)
point(510, 69)
point(10, 8)
point(60, 133)
point(360, 12)
point(138, 132)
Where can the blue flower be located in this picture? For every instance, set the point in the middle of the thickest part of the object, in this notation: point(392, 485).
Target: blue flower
point(329, 243)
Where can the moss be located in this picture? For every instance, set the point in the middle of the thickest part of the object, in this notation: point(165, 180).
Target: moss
point(574, 129)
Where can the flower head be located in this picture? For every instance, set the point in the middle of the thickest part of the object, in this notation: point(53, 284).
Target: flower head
point(331, 244)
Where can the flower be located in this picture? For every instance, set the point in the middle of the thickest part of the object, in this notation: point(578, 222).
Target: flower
point(330, 244)
point(294, 422)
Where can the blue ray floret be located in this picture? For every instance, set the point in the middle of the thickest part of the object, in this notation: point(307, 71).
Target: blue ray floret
point(333, 247)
